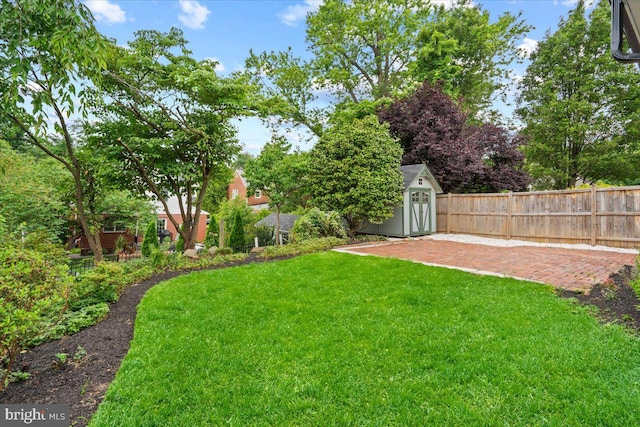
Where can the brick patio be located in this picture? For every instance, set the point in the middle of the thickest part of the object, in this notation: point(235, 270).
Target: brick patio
point(573, 269)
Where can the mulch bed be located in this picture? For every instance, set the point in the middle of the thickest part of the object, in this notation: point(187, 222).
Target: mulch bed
point(616, 300)
point(83, 385)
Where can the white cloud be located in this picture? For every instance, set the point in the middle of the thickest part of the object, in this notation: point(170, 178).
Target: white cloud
point(527, 47)
point(298, 12)
point(104, 10)
point(219, 67)
point(571, 3)
point(193, 15)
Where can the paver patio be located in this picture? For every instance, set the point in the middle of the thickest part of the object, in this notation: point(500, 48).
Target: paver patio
point(572, 269)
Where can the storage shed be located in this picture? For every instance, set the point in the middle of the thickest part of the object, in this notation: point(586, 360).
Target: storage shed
point(417, 215)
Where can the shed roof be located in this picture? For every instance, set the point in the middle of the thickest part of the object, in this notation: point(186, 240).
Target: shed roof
point(410, 172)
point(286, 221)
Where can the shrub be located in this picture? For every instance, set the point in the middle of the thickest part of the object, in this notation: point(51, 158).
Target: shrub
point(212, 235)
point(316, 223)
point(34, 287)
point(180, 241)
point(219, 259)
point(224, 251)
point(137, 270)
point(121, 243)
point(237, 241)
point(167, 261)
point(229, 209)
point(304, 247)
point(266, 235)
point(150, 241)
point(71, 322)
point(101, 284)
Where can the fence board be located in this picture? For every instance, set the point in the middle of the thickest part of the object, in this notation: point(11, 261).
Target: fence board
point(596, 216)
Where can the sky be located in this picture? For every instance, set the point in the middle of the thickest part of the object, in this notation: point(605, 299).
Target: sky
point(226, 30)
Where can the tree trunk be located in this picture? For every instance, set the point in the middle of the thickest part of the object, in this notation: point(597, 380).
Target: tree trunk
point(92, 239)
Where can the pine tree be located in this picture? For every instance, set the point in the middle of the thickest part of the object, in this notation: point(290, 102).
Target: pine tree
point(237, 240)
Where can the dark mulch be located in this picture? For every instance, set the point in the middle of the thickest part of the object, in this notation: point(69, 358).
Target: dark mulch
point(616, 300)
point(83, 385)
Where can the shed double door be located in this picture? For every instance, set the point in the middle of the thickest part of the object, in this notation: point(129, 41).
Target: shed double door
point(420, 212)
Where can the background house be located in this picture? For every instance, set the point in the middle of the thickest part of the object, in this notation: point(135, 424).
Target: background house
point(109, 233)
point(174, 210)
point(238, 188)
point(417, 215)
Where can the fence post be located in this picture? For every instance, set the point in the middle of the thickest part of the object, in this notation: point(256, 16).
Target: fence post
point(255, 241)
point(221, 234)
point(449, 213)
point(509, 213)
point(594, 219)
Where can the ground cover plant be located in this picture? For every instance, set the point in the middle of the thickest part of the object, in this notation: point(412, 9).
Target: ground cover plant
point(336, 339)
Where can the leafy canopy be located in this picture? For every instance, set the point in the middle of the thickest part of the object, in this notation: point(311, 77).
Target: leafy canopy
point(433, 130)
point(470, 56)
point(581, 109)
point(50, 52)
point(355, 170)
point(164, 118)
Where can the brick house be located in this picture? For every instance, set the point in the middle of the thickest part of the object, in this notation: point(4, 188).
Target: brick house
point(238, 188)
point(109, 233)
point(163, 222)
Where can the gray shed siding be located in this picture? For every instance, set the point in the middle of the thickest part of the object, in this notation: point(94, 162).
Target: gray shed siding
point(403, 223)
point(394, 226)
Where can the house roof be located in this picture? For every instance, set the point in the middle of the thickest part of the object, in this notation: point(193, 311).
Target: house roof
point(174, 207)
point(410, 172)
point(240, 173)
point(286, 221)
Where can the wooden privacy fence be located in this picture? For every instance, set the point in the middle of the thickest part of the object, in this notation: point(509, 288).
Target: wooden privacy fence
point(596, 216)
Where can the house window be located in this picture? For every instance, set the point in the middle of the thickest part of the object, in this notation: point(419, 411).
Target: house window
point(234, 193)
point(161, 224)
point(420, 181)
point(415, 197)
point(258, 194)
point(111, 226)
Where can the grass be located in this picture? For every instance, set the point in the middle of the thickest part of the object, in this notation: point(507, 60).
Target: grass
point(333, 339)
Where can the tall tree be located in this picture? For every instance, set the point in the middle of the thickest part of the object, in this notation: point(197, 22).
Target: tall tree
point(364, 51)
point(432, 129)
point(469, 55)
point(362, 48)
point(287, 90)
point(164, 117)
point(354, 169)
point(581, 109)
point(277, 173)
point(48, 51)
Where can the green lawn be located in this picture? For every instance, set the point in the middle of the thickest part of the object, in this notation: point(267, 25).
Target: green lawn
point(338, 340)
